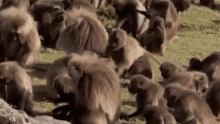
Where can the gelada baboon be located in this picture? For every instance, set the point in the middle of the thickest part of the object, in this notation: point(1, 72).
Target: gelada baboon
point(208, 3)
point(100, 102)
point(158, 115)
point(169, 69)
point(188, 106)
point(153, 39)
point(18, 82)
point(212, 97)
point(166, 10)
point(85, 4)
point(147, 92)
point(181, 5)
point(83, 32)
point(57, 70)
point(124, 50)
point(127, 17)
point(19, 36)
point(141, 66)
point(21, 4)
point(195, 81)
point(209, 65)
point(50, 20)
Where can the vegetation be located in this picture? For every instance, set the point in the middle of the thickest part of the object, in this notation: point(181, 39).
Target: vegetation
point(199, 36)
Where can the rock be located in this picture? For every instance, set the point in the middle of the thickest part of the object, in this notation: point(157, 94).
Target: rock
point(10, 115)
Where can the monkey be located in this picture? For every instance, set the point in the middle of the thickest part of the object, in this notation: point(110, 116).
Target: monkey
point(181, 5)
point(188, 106)
point(194, 81)
point(208, 3)
point(212, 97)
point(158, 115)
point(69, 4)
point(18, 82)
point(210, 65)
point(124, 50)
point(51, 20)
point(147, 92)
point(127, 17)
point(166, 10)
point(21, 4)
point(141, 66)
point(83, 32)
point(169, 69)
point(100, 103)
point(153, 39)
point(19, 37)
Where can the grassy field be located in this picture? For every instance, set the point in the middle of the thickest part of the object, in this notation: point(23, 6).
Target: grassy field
point(199, 36)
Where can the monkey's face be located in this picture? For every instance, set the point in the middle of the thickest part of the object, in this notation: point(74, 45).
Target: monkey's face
point(170, 94)
point(202, 84)
point(167, 70)
point(137, 83)
point(5, 73)
point(64, 86)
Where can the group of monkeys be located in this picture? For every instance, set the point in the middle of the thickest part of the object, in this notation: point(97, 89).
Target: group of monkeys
point(87, 78)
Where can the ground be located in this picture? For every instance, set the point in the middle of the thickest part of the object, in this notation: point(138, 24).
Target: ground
point(199, 36)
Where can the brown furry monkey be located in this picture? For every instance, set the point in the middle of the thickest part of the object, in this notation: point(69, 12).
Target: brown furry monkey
point(50, 19)
point(141, 66)
point(98, 99)
point(169, 69)
point(147, 91)
point(210, 65)
point(21, 4)
point(85, 4)
point(188, 106)
point(19, 36)
point(154, 38)
point(158, 115)
point(18, 82)
point(83, 32)
point(127, 17)
point(124, 50)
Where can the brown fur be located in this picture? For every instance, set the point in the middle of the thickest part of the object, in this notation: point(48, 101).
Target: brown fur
point(153, 39)
point(85, 4)
point(20, 91)
point(188, 106)
point(141, 66)
point(210, 65)
point(50, 19)
point(169, 69)
point(19, 36)
point(124, 50)
point(195, 81)
point(182, 5)
point(98, 92)
point(148, 93)
point(212, 97)
point(83, 32)
point(21, 4)
point(158, 115)
point(166, 10)
point(128, 19)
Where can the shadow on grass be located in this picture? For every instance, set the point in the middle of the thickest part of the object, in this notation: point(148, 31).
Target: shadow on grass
point(39, 70)
point(129, 103)
point(40, 93)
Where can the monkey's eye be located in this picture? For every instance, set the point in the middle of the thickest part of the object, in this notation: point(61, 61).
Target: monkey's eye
point(66, 90)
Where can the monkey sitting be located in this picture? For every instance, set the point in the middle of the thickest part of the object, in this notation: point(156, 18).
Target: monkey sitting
point(147, 92)
point(158, 115)
point(18, 83)
point(141, 66)
point(188, 106)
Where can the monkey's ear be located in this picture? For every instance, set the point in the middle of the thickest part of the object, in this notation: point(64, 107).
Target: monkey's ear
point(47, 18)
point(140, 84)
point(121, 35)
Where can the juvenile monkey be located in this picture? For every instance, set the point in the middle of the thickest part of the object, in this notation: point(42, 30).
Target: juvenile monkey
point(18, 82)
point(148, 93)
point(124, 50)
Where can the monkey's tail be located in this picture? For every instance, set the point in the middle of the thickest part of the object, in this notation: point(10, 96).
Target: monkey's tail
point(151, 55)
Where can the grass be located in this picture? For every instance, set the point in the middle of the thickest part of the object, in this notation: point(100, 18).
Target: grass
point(199, 36)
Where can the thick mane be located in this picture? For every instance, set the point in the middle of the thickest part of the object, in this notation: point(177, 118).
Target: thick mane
point(85, 32)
